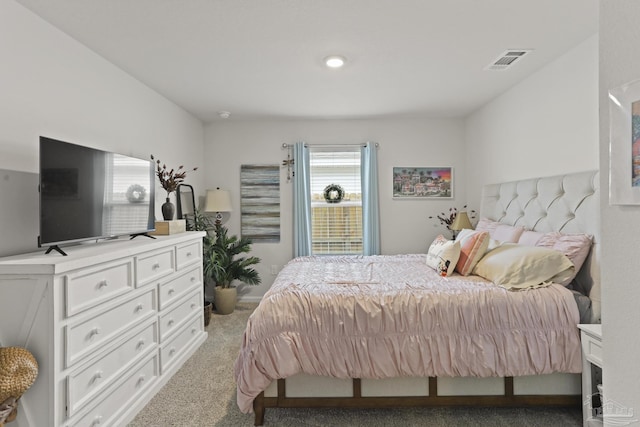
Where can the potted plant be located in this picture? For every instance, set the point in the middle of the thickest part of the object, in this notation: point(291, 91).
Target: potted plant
point(224, 264)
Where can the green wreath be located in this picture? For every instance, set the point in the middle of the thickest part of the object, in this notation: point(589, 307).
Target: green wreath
point(136, 193)
point(333, 193)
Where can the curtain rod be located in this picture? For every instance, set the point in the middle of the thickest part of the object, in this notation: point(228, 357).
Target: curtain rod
point(285, 145)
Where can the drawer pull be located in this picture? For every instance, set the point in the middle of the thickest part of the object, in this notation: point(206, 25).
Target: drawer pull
point(156, 266)
point(95, 331)
point(170, 322)
point(193, 279)
point(139, 307)
point(188, 254)
point(171, 291)
point(97, 420)
point(194, 305)
point(96, 376)
point(141, 379)
point(103, 284)
point(194, 330)
point(140, 344)
point(172, 351)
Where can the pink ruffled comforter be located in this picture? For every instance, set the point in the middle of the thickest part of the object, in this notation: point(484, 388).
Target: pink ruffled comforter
point(388, 316)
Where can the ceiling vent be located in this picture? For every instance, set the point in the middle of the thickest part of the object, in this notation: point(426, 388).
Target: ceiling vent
point(507, 59)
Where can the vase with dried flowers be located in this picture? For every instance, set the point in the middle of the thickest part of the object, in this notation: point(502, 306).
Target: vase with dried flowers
point(448, 219)
point(170, 179)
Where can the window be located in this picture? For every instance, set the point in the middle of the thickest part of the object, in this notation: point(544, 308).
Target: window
point(336, 228)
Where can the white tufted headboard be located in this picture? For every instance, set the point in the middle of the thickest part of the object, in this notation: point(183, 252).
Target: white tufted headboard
point(566, 203)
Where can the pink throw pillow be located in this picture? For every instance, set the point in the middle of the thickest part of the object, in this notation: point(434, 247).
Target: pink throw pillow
point(530, 238)
point(472, 247)
point(486, 224)
point(575, 246)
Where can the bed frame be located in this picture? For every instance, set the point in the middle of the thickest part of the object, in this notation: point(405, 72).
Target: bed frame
point(567, 203)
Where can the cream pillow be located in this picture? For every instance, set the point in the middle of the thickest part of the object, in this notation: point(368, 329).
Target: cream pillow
point(443, 255)
point(517, 267)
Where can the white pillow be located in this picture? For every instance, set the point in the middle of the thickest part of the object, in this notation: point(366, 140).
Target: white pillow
point(517, 267)
point(443, 255)
point(507, 233)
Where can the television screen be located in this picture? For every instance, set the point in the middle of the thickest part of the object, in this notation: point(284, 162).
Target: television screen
point(88, 194)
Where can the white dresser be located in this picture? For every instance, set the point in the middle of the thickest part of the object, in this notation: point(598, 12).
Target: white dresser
point(109, 324)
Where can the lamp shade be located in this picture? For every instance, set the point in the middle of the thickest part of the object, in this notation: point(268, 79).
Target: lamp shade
point(461, 221)
point(218, 201)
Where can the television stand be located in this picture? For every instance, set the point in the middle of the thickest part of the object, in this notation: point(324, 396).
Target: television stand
point(55, 248)
point(133, 236)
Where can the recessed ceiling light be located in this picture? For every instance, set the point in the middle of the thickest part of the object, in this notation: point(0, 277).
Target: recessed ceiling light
point(224, 114)
point(334, 61)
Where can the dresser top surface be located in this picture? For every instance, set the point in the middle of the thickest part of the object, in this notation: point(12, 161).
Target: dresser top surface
point(82, 255)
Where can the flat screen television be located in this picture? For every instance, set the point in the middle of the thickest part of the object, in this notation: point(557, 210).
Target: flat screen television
point(88, 194)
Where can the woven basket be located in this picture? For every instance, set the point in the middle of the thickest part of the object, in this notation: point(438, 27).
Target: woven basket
point(18, 371)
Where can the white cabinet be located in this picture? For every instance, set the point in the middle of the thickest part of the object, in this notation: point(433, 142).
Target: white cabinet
point(109, 324)
point(591, 337)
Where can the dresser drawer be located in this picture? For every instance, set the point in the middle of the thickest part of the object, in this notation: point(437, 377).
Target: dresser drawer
point(592, 349)
point(179, 286)
point(122, 396)
point(187, 254)
point(174, 347)
point(178, 316)
point(87, 288)
point(154, 265)
point(85, 383)
point(86, 337)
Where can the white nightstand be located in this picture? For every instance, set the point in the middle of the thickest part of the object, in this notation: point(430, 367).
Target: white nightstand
point(591, 336)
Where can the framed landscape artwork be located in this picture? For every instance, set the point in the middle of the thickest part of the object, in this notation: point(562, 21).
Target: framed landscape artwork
point(624, 167)
point(422, 182)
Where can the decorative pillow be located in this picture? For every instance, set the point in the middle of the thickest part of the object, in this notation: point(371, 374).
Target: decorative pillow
point(486, 224)
point(575, 246)
point(443, 255)
point(473, 245)
point(529, 238)
point(518, 267)
point(507, 233)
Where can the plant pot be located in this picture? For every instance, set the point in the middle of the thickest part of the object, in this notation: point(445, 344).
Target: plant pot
point(225, 299)
point(208, 308)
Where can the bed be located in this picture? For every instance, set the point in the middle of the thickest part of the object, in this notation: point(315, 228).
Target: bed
point(395, 330)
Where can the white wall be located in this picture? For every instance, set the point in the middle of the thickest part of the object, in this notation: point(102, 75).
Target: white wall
point(52, 85)
point(409, 142)
point(619, 64)
point(545, 125)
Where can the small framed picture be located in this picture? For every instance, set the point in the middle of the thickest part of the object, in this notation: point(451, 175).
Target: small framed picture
point(422, 182)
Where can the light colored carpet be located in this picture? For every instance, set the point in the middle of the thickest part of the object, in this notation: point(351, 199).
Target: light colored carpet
point(203, 393)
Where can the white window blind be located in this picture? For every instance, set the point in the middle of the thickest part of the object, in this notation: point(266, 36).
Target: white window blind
point(336, 227)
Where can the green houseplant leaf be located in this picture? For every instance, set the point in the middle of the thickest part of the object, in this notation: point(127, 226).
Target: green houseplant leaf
point(223, 262)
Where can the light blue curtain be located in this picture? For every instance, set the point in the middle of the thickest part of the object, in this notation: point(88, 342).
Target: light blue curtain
point(301, 201)
point(370, 199)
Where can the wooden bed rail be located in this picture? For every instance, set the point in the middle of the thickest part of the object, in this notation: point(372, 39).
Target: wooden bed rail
point(508, 398)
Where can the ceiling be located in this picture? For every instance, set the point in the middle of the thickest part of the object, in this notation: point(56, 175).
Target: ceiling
point(264, 58)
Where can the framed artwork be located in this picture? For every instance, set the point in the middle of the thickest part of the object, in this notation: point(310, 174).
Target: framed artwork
point(624, 149)
point(260, 202)
point(422, 182)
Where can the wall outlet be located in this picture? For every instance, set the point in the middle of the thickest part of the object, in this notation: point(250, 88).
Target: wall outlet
point(274, 269)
